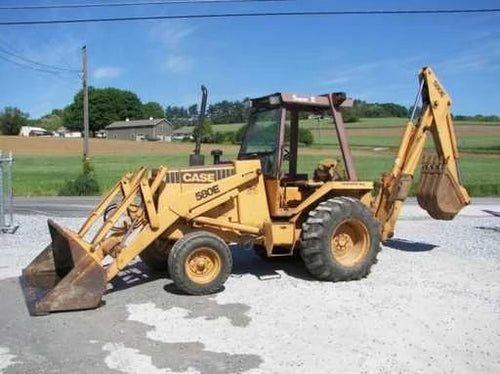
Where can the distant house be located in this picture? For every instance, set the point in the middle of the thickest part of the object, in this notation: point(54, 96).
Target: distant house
point(63, 132)
point(33, 131)
point(183, 133)
point(144, 129)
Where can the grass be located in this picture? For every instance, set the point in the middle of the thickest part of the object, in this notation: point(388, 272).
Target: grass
point(42, 165)
point(363, 123)
point(44, 175)
point(481, 137)
point(478, 144)
point(326, 123)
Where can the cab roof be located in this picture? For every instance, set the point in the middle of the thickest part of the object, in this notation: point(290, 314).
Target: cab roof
point(301, 102)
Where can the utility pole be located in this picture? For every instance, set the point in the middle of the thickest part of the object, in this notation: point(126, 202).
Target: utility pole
point(85, 105)
point(319, 128)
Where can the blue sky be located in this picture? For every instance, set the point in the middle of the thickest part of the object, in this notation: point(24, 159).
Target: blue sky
point(372, 58)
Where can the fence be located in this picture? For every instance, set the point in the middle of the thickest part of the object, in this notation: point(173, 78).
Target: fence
point(6, 195)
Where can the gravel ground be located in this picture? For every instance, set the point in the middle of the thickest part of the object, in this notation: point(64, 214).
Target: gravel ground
point(431, 304)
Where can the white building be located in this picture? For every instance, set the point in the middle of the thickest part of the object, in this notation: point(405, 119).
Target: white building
point(33, 131)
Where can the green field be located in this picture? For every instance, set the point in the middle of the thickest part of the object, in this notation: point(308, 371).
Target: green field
point(481, 137)
point(44, 175)
point(38, 171)
point(363, 123)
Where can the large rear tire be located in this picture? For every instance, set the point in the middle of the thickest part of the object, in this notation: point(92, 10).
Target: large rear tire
point(200, 263)
point(340, 240)
point(156, 255)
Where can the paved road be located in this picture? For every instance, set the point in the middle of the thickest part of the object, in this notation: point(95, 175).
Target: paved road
point(75, 206)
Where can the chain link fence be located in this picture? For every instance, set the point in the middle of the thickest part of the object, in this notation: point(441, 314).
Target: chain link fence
point(6, 194)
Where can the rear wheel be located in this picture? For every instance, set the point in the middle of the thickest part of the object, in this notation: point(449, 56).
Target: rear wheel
point(155, 256)
point(340, 240)
point(200, 263)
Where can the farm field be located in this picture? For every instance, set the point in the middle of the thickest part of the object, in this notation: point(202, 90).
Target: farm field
point(481, 137)
point(42, 165)
point(383, 122)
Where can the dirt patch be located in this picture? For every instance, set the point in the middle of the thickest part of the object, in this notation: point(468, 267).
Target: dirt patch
point(73, 147)
point(61, 147)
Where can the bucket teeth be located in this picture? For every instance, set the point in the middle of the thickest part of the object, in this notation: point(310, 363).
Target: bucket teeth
point(63, 276)
point(438, 191)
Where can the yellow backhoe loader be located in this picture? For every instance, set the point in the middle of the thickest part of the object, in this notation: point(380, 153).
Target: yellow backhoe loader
point(181, 220)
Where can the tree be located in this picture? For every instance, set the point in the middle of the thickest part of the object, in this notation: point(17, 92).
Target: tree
point(177, 115)
point(193, 110)
point(207, 135)
point(51, 122)
point(152, 109)
point(228, 112)
point(11, 120)
point(106, 105)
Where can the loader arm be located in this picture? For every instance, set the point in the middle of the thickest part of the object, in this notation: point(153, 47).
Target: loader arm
point(71, 273)
point(440, 190)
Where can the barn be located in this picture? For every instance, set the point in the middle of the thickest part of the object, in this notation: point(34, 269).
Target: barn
point(144, 129)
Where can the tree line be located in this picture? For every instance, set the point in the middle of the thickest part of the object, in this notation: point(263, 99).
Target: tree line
point(107, 105)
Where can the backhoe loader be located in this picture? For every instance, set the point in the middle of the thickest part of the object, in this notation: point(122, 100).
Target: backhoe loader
point(181, 220)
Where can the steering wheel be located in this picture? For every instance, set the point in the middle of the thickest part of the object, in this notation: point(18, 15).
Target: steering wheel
point(286, 154)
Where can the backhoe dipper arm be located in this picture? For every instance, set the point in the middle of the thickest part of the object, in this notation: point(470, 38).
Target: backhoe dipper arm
point(440, 189)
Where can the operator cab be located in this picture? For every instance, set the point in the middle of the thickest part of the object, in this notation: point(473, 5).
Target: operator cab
point(272, 135)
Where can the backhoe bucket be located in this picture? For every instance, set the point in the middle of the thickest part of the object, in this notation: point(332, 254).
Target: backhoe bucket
point(63, 277)
point(438, 191)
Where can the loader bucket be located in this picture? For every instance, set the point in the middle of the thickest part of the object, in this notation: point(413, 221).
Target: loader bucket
point(63, 276)
point(438, 191)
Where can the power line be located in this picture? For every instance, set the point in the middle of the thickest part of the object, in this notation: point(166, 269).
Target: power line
point(130, 4)
point(62, 80)
point(30, 61)
point(241, 15)
point(27, 66)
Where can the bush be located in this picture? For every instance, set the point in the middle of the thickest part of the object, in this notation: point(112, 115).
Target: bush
point(238, 136)
point(306, 136)
point(84, 185)
point(349, 115)
point(207, 133)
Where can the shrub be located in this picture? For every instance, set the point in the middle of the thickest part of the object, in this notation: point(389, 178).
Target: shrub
point(85, 184)
point(306, 136)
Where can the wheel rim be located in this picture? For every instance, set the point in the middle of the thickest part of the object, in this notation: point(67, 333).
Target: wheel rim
point(203, 265)
point(350, 242)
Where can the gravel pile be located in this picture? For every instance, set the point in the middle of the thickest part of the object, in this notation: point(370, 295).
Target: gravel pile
point(431, 304)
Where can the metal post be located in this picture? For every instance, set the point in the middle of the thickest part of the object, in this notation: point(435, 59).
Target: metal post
point(6, 195)
point(2, 198)
point(85, 104)
point(342, 137)
point(10, 191)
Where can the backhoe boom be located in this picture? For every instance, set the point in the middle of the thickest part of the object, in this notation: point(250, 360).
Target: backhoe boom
point(440, 190)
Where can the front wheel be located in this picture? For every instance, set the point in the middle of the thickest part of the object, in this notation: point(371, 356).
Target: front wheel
point(340, 240)
point(200, 263)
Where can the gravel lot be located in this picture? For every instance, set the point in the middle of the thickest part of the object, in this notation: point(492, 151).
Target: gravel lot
point(431, 304)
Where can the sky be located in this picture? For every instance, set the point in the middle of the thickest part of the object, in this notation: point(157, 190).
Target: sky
point(372, 58)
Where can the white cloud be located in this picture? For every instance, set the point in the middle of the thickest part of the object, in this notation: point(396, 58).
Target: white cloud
point(107, 72)
point(171, 34)
point(351, 73)
point(178, 63)
point(484, 56)
point(357, 72)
